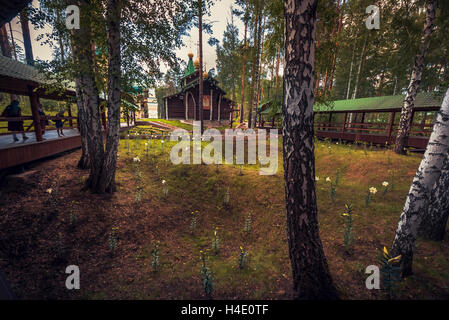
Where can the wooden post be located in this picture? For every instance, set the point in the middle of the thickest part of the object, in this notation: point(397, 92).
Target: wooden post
point(362, 121)
point(344, 122)
point(219, 110)
point(329, 122)
point(69, 112)
point(390, 125)
point(211, 105)
point(35, 112)
point(127, 118)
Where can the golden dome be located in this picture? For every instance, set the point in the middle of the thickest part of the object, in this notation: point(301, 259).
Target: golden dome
point(190, 55)
point(205, 74)
point(196, 63)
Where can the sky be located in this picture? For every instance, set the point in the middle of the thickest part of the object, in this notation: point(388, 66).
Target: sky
point(220, 14)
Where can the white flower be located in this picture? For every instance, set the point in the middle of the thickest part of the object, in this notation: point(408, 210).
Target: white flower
point(163, 181)
point(385, 184)
point(328, 179)
point(317, 178)
point(372, 190)
point(162, 141)
point(49, 190)
point(136, 159)
point(146, 143)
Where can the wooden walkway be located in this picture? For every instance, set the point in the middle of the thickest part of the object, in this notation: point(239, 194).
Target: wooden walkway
point(21, 152)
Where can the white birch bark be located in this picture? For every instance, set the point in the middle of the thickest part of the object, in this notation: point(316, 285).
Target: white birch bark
point(418, 198)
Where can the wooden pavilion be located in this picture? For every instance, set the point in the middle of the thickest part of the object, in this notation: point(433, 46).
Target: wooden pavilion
point(372, 120)
point(375, 120)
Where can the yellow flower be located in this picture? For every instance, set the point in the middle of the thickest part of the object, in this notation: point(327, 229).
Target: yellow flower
point(386, 252)
point(49, 190)
point(395, 259)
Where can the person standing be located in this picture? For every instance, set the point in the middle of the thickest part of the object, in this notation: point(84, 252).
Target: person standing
point(14, 111)
point(59, 123)
point(44, 121)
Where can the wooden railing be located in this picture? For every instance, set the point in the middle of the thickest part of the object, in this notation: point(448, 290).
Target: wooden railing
point(28, 123)
point(372, 128)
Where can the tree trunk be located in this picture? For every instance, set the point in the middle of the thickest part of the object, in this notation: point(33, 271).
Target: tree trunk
point(311, 276)
point(348, 88)
point(258, 35)
point(244, 65)
point(334, 59)
point(113, 10)
point(415, 80)
point(357, 77)
point(278, 60)
point(83, 162)
point(91, 113)
point(200, 27)
point(433, 225)
point(253, 67)
point(418, 198)
point(26, 37)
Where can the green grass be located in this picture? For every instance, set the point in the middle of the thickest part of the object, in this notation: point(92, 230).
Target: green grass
point(176, 123)
point(268, 274)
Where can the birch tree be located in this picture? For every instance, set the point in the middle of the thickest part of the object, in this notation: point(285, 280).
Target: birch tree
point(113, 11)
point(311, 276)
point(415, 80)
point(433, 225)
point(419, 196)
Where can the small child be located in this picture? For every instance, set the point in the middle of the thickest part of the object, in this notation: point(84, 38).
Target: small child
point(59, 122)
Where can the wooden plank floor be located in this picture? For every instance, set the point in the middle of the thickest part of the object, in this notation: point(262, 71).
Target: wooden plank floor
point(16, 153)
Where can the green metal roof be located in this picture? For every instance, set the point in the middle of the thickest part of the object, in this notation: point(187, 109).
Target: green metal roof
point(384, 103)
point(190, 68)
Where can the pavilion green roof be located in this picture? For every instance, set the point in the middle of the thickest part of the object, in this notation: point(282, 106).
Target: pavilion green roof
point(383, 103)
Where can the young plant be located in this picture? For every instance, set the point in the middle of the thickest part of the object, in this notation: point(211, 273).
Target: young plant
point(53, 197)
point(371, 191)
point(72, 218)
point(206, 276)
point(390, 272)
point(164, 188)
point(146, 148)
point(247, 228)
point(138, 194)
point(337, 176)
point(127, 143)
point(227, 198)
point(155, 257)
point(333, 192)
point(215, 241)
point(348, 235)
point(193, 222)
point(385, 184)
point(112, 240)
point(242, 258)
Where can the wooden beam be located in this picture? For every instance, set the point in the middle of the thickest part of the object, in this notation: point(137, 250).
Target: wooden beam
point(69, 112)
point(344, 122)
point(34, 102)
point(390, 124)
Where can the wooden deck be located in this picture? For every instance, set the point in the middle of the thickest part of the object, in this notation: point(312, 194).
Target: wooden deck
point(21, 152)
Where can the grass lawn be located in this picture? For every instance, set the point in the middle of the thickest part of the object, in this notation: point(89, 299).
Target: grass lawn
point(111, 238)
point(175, 123)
